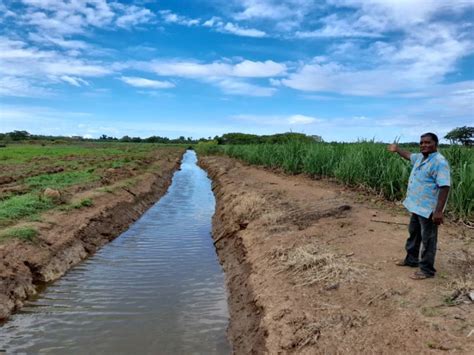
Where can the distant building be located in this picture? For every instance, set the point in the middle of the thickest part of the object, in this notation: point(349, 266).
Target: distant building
point(317, 138)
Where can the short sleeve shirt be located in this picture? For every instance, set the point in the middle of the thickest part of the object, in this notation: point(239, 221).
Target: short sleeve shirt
point(426, 177)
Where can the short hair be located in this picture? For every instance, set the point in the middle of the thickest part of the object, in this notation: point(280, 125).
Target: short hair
point(432, 136)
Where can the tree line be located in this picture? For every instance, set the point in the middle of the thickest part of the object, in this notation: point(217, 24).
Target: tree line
point(460, 135)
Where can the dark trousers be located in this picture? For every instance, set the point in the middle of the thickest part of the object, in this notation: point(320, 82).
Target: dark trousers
point(424, 233)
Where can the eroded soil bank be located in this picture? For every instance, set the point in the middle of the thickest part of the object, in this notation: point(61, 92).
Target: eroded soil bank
point(67, 237)
point(310, 269)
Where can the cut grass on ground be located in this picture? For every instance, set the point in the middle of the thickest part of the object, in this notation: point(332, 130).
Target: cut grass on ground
point(309, 265)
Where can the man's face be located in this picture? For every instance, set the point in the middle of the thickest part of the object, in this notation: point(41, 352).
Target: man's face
point(427, 145)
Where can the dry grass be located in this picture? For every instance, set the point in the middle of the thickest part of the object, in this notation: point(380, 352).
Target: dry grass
point(310, 265)
point(272, 218)
point(248, 206)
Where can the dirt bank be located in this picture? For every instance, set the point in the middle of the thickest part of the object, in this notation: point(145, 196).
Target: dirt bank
point(310, 269)
point(67, 237)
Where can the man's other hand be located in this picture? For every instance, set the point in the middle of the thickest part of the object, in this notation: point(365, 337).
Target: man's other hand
point(438, 218)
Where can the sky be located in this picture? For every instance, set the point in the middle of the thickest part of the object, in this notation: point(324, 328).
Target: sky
point(341, 69)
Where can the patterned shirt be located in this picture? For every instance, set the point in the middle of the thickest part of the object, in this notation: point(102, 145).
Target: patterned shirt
point(426, 177)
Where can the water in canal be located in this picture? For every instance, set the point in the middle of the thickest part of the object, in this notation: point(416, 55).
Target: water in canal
point(156, 289)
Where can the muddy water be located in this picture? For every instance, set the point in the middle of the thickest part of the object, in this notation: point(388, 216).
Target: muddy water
point(156, 289)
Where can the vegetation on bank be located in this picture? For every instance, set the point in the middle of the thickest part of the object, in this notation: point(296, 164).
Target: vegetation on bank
point(28, 171)
point(365, 164)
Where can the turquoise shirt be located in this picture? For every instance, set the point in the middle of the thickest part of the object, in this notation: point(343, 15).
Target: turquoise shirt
point(426, 177)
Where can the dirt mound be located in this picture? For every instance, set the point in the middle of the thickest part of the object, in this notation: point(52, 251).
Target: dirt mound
point(310, 269)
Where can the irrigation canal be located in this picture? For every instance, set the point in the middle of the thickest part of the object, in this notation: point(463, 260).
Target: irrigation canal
point(156, 289)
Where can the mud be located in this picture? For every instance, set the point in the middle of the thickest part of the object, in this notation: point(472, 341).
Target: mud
point(310, 269)
point(66, 238)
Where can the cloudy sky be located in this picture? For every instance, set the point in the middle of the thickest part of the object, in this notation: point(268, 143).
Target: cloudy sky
point(342, 69)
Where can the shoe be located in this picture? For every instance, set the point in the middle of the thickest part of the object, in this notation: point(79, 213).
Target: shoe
point(420, 275)
point(404, 263)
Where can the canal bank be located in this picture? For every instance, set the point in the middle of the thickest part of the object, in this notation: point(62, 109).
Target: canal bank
point(310, 269)
point(67, 237)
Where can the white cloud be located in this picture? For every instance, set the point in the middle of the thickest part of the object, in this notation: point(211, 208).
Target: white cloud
point(382, 15)
point(25, 66)
point(214, 22)
point(225, 75)
point(301, 119)
point(133, 16)
point(78, 82)
point(58, 41)
point(335, 27)
point(170, 17)
point(239, 31)
point(252, 69)
point(238, 87)
point(417, 61)
point(245, 68)
point(146, 83)
point(273, 9)
point(188, 69)
point(58, 17)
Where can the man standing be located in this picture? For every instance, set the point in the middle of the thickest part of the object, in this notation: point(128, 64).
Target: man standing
point(427, 193)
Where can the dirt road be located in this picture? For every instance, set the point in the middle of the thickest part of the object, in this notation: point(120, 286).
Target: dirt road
point(310, 269)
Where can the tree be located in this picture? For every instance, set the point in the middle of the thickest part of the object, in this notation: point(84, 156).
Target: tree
point(463, 135)
point(18, 135)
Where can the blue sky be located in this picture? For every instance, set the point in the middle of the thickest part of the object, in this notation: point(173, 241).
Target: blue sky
point(342, 69)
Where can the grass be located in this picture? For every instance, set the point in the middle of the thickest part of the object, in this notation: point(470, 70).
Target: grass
point(60, 180)
point(87, 202)
point(364, 164)
point(17, 207)
point(23, 233)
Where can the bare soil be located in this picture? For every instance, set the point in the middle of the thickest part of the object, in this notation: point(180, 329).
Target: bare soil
point(67, 237)
point(310, 269)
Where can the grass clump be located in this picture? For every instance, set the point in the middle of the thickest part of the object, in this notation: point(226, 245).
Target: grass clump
point(23, 233)
point(86, 202)
point(60, 180)
point(17, 207)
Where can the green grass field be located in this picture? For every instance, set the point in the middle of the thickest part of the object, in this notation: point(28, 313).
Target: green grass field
point(26, 170)
point(366, 164)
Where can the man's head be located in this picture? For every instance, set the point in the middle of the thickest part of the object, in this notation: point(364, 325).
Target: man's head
point(428, 143)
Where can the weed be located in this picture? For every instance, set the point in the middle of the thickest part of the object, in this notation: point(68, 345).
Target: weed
point(87, 202)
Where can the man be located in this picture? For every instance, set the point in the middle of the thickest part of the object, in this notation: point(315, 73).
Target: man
point(427, 193)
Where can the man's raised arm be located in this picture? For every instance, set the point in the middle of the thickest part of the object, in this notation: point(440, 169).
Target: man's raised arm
point(396, 149)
